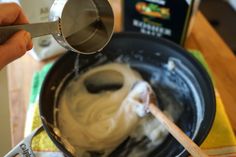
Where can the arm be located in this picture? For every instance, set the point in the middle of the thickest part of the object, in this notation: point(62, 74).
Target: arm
point(20, 42)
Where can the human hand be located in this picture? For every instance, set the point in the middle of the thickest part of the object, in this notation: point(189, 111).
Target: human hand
point(20, 42)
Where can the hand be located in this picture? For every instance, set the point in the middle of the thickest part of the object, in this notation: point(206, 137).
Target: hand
point(20, 42)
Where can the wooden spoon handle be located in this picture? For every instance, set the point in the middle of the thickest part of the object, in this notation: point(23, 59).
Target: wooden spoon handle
point(177, 133)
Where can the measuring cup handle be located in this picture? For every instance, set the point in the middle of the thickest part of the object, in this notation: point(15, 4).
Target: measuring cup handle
point(24, 147)
point(36, 30)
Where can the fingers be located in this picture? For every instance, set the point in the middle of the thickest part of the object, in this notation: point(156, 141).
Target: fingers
point(20, 42)
point(11, 13)
point(15, 47)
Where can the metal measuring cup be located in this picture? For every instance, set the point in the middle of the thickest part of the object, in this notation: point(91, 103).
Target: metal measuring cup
point(83, 26)
point(24, 147)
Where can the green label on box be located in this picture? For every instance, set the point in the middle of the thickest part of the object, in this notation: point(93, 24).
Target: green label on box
point(161, 18)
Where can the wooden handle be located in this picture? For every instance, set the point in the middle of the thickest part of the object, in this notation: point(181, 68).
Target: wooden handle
point(178, 134)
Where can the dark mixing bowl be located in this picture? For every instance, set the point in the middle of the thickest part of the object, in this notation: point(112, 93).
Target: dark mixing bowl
point(176, 77)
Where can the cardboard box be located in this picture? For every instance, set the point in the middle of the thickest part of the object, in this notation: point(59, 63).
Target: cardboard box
point(169, 19)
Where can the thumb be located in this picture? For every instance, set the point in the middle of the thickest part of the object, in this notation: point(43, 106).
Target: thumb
point(15, 47)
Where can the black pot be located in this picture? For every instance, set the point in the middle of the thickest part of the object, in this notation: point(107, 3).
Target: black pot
point(188, 83)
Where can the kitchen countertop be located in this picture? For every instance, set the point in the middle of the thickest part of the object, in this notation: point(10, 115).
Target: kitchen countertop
point(203, 37)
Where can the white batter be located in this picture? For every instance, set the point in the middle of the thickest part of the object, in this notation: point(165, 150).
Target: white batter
point(98, 121)
point(101, 121)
